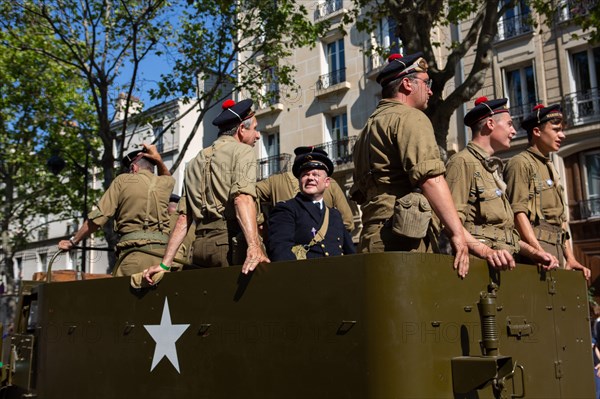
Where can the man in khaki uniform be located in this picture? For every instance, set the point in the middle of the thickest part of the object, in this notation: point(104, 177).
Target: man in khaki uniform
point(474, 177)
point(396, 158)
point(534, 188)
point(138, 201)
point(285, 186)
point(219, 195)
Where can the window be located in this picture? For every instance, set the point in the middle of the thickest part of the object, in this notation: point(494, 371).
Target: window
point(270, 88)
point(383, 42)
point(336, 65)
point(386, 35)
point(157, 130)
point(583, 105)
point(42, 231)
point(591, 174)
point(327, 7)
point(42, 261)
point(521, 92)
point(515, 21)
point(568, 9)
point(339, 137)
point(272, 144)
point(18, 268)
point(273, 162)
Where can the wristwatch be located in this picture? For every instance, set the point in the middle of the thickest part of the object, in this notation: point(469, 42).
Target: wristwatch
point(72, 240)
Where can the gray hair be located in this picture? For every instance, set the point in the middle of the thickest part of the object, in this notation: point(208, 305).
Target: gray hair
point(247, 123)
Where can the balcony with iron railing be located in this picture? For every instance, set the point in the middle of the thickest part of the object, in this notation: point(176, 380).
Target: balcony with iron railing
point(332, 82)
point(331, 79)
point(328, 8)
point(516, 25)
point(518, 113)
point(587, 209)
point(339, 151)
point(271, 102)
point(568, 9)
point(271, 165)
point(582, 107)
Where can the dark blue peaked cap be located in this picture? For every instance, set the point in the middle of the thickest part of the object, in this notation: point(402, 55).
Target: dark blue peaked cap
point(541, 115)
point(399, 66)
point(130, 158)
point(233, 114)
point(311, 158)
point(485, 108)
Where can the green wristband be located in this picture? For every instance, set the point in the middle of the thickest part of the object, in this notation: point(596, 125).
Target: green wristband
point(165, 267)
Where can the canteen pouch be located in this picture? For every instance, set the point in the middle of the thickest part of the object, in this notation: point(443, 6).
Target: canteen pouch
point(299, 251)
point(412, 215)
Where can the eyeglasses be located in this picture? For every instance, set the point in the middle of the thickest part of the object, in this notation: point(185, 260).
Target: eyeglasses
point(427, 82)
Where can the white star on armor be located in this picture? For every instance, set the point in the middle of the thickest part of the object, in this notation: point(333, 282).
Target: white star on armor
point(165, 335)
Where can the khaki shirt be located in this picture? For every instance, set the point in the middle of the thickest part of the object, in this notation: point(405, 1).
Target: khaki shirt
point(533, 187)
point(394, 153)
point(285, 186)
point(478, 195)
point(137, 201)
point(215, 177)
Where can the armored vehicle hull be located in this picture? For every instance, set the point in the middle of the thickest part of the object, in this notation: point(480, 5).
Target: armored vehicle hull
point(390, 325)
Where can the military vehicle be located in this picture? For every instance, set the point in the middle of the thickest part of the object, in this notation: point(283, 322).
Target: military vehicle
point(389, 325)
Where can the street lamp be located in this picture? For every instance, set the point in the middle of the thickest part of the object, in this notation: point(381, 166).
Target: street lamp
point(56, 164)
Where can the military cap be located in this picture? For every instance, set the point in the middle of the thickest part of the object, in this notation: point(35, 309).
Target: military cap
point(311, 158)
point(541, 115)
point(485, 108)
point(399, 66)
point(174, 198)
point(233, 114)
point(131, 158)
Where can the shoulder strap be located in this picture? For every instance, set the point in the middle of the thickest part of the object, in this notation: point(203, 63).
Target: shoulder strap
point(150, 196)
point(209, 153)
point(535, 189)
point(320, 236)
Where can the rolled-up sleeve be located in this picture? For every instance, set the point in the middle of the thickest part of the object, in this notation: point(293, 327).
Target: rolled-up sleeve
point(244, 173)
point(517, 176)
point(418, 149)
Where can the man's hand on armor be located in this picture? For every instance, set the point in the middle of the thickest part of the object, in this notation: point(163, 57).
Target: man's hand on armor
point(461, 257)
point(151, 271)
point(545, 260)
point(500, 259)
point(572, 264)
point(254, 256)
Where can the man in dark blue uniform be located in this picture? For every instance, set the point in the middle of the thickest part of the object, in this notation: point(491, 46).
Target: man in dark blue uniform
point(304, 227)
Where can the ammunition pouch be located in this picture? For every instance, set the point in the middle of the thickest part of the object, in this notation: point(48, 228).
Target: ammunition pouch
point(412, 216)
point(300, 251)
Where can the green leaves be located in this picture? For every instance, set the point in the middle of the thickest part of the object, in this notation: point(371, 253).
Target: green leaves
point(40, 100)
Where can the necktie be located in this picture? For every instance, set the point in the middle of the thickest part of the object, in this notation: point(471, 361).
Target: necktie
point(318, 205)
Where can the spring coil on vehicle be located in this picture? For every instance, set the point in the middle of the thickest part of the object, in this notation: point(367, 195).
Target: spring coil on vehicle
point(490, 336)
